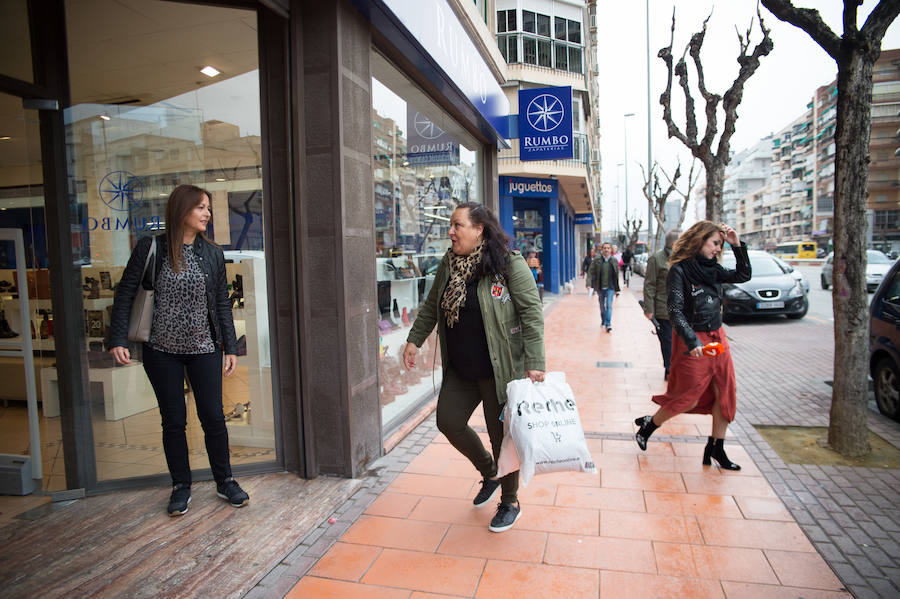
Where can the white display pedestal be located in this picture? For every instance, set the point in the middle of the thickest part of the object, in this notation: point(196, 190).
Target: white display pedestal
point(126, 391)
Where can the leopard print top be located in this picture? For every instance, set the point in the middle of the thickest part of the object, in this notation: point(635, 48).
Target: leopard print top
point(180, 314)
point(462, 269)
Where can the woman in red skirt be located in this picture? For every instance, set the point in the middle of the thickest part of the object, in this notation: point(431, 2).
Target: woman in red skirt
point(701, 382)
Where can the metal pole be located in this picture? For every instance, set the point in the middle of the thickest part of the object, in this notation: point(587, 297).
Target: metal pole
point(649, 151)
point(625, 135)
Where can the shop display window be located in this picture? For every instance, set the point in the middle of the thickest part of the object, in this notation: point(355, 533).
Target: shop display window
point(144, 119)
point(425, 164)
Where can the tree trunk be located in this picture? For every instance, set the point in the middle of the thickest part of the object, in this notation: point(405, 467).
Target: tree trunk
point(848, 431)
point(715, 182)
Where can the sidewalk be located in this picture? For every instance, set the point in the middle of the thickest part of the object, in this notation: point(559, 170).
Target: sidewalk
point(654, 524)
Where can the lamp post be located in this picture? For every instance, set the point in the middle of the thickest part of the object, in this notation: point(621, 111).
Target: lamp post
point(625, 136)
point(649, 146)
point(617, 199)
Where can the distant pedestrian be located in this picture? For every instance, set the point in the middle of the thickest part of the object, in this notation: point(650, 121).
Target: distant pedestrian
point(700, 383)
point(534, 264)
point(627, 258)
point(656, 294)
point(604, 274)
point(490, 322)
point(585, 267)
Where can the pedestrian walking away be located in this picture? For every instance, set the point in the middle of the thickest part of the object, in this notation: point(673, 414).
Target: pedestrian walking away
point(485, 304)
point(656, 295)
point(604, 274)
point(627, 257)
point(585, 267)
point(191, 328)
point(702, 373)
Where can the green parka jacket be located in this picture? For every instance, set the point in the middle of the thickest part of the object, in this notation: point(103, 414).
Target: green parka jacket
point(656, 296)
point(513, 321)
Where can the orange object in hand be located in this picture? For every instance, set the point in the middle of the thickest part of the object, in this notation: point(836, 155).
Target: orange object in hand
point(713, 349)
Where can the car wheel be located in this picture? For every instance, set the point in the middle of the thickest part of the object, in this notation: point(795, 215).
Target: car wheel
point(801, 314)
point(824, 283)
point(887, 388)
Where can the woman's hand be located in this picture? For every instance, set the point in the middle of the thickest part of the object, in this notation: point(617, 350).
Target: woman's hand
point(535, 375)
point(731, 236)
point(697, 352)
point(121, 354)
point(409, 355)
point(230, 363)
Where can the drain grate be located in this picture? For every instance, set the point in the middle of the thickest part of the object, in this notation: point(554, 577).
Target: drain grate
point(614, 365)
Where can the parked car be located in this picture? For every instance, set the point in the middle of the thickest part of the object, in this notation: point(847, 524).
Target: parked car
point(640, 264)
point(772, 290)
point(884, 343)
point(794, 273)
point(877, 264)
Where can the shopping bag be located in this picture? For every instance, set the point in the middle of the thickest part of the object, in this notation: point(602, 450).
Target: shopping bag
point(542, 430)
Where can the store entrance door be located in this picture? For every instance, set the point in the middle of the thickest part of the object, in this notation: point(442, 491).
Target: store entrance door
point(28, 425)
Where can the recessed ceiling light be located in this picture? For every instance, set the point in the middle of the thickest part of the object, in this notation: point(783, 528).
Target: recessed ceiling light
point(4, 137)
point(221, 179)
point(209, 71)
point(104, 117)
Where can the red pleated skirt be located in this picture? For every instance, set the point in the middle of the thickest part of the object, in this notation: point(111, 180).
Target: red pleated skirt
point(691, 379)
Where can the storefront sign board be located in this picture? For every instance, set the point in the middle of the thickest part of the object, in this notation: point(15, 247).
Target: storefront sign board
point(545, 123)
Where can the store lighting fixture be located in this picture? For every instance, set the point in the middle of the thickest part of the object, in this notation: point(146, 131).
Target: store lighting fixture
point(104, 117)
point(221, 180)
point(209, 71)
point(4, 137)
point(436, 217)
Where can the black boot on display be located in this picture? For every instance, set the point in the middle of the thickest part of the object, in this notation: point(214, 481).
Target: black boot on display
point(715, 449)
point(646, 429)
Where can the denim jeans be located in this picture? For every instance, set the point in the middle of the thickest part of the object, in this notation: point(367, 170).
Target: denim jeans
point(166, 373)
point(606, 296)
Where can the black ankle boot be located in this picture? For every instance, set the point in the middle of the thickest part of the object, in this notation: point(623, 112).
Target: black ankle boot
point(715, 449)
point(646, 429)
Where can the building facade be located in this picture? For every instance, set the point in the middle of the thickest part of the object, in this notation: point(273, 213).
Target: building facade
point(334, 138)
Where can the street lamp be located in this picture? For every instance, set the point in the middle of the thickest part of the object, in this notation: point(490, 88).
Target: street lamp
point(617, 199)
point(625, 136)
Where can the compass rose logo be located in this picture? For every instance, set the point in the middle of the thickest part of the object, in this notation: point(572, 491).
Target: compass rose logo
point(120, 190)
point(425, 128)
point(545, 112)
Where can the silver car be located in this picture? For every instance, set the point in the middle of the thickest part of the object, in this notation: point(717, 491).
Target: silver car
point(877, 265)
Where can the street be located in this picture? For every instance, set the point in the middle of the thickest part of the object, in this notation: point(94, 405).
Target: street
point(819, 299)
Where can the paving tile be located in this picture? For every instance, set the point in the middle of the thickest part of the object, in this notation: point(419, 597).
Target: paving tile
point(345, 561)
point(569, 520)
point(600, 498)
point(425, 572)
point(716, 563)
point(394, 505)
point(763, 508)
point(421, 595)
point(741, 590)
point(631, 447)
point(455, 511)
point(627, 584)
point(478, 541)
point(600, 552)
point(748, 486)
point(396, 533)
point(435, 486)
point(652, 527)
point(311, 587)
point(505, 580)
point(537, 492)
point(719, 506)
point(647, 481)
point(802, 569)
point(760, 534)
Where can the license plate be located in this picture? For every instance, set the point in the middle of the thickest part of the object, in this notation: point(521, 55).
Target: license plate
point(769, 305)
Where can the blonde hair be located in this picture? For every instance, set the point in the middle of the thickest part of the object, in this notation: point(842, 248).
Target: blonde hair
point(690, 242)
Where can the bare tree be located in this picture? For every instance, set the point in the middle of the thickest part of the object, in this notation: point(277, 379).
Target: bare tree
point(685, 195)
point(855, 54)
point(632, 231)
point(657, 197)
point(714, 162)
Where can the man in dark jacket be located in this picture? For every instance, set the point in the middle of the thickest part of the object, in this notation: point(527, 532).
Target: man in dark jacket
point(604, 274)
point(655, 294)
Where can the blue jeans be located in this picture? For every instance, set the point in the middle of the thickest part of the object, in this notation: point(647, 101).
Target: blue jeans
point(606, 296)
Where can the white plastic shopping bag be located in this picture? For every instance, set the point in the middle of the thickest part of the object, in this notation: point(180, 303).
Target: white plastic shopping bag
point(542, 430)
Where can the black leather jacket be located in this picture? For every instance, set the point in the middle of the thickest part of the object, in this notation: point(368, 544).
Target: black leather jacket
point(212, 261)
point(699, 307)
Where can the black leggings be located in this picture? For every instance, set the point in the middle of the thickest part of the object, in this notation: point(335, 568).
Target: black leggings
point(456, 403)
point(204, 371)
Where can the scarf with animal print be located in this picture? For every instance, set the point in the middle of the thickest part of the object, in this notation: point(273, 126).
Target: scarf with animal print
point(462, 269)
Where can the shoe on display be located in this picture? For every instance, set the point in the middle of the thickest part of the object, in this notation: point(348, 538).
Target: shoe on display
point(179, 500)
point(231, 492)
point(506, 516)
point(489, 488)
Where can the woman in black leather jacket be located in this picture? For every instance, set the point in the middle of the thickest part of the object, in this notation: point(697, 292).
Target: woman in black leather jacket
point(192, 327)
point(700, 383)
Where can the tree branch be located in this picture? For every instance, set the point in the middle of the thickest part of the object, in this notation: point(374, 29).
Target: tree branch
point(665, 98)
point(809, 20)
point(880, 19)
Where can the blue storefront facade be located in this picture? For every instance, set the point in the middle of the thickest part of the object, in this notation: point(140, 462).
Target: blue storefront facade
point(537, 218)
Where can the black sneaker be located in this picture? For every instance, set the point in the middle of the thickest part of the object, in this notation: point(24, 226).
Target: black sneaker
point(506, 516)
point(489, 488)
point(179, 500)
point(231, 492)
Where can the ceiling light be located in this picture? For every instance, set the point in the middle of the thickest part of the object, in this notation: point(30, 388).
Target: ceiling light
point(209, 71)
point(221, 180)
point(4, 137)
point(104, 117)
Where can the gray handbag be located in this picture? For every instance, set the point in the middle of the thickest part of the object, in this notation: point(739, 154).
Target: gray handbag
point(142, 309)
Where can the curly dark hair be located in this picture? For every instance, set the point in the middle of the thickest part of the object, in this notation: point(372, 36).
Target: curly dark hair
point(495, 255)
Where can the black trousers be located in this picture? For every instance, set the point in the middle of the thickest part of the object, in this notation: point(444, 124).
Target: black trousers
point(665, 341)
point(456, 403)
point(204, 371)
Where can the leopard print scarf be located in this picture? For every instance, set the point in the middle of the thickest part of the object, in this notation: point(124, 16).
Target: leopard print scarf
point(462, 269)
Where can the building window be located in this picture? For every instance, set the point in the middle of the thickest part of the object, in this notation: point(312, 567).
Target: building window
point(562, 50)
point(887, 220)
point(506, 20)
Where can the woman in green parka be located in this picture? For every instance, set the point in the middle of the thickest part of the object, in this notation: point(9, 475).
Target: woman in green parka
point(490, 322)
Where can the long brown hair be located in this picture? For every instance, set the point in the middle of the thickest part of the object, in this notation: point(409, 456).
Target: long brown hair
point(690, 242)
point(182, 200)
point(495, 256)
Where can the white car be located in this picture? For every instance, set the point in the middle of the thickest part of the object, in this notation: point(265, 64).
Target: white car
point(798, 276)
point(877, 265)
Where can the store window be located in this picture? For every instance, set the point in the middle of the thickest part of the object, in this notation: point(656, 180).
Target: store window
point(166, 94)
point(425, 164)
point(15, 52)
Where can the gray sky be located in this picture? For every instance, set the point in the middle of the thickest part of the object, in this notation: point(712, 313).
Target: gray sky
point(776, 94)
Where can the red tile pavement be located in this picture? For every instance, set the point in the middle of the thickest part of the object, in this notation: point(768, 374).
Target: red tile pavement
point(652, 524)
